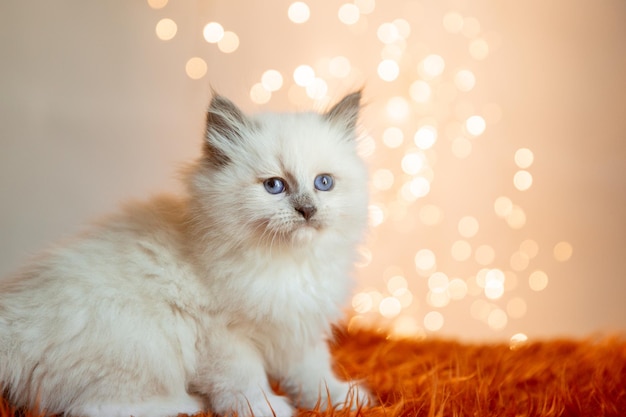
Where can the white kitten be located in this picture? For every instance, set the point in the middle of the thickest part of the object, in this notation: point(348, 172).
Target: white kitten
point(176, 305)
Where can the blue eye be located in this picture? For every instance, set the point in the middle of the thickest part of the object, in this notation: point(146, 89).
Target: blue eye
point(274, 185)
point(324, 182)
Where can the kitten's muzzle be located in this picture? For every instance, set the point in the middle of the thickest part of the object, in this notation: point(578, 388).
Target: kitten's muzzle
point(306, 211)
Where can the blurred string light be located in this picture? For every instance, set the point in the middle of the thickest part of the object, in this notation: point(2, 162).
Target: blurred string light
point(421, 81)
point(299, 12)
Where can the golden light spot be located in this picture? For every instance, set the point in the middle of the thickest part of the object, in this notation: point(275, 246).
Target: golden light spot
point(437, 299)
point(317, 89)
point(348, 14)
point(272, 80)
point(457, 289)
point(259, 94)
point(213, 32)
point(461, 147)
point(425, 137)
point(339, 67)
point(196, 68)
point(404, 27)
point(304, 75)
point(430, 215)
point(524, 158)
point(365, 6)
point(494, 284)
point(393, 137)
point(479, 49)
point(503, 206)
point(438, 282)
point(406, 195)
point(453, 22)
point(433, 321)
point(157, 4)
point(468, 226)
point(563, 251)
point(431, 66)
point(397, 108)
point(519, 261)
point(388, 33)
point(538, 281)
point(382, 179)
point(406, 326)
point(518, 340)
point(425, 261)
point(404, 296)
point(388, 70)
point(471, 27)
point(461, 250)
point(516, 219)
point(396, 285)
point(412, 163)
point(464, 80)
point(229, 42)
point(420, 91)
point(376, 215)
point(389, 307)
point(522, 180)
point(497, 319)
point(516, 307)
point(298, 12)
point(394, 50)
point(529, 247)
point(362, 303)
point(166, 29)
point(475, 125)
point(484, 255)
point(419, 187)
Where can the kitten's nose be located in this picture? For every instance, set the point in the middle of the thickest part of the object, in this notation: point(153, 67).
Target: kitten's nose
point(306, 211)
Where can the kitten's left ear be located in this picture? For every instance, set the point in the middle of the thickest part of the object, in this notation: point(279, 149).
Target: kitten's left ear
point(346, 112)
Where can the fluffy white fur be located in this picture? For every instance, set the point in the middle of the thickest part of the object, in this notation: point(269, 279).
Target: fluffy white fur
point(181, 305)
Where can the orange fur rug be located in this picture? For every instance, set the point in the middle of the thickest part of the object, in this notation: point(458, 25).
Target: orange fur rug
point(433, 377)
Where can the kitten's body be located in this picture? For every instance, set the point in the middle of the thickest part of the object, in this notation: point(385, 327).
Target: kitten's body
point(179, 304)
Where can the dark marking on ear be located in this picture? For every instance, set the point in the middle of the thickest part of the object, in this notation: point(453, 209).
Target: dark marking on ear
point(346, 112)
point(224, 122)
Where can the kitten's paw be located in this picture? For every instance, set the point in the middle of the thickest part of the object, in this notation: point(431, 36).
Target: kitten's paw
point(346, 395)
point(264, 405)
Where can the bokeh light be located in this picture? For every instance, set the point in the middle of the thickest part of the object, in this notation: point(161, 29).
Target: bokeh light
point(157, 4)
point(348, 13)
point(563, 251)
point(196, 68)
point(229, 42)
point(166, 29)
point(298, 12)
point(538, 281)
point(213, 32)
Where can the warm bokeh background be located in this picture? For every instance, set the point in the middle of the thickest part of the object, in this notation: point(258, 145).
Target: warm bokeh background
point(495, 132)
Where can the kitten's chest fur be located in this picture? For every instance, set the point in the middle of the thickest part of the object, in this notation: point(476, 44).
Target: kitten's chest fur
point(298, 292)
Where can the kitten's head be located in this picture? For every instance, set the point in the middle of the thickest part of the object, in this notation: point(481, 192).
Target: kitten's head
point(281, 180)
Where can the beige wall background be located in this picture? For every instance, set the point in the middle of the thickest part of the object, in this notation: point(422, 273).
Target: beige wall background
point(96, 109)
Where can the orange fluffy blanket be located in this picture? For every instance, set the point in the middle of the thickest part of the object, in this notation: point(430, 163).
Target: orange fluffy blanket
point(446, 378)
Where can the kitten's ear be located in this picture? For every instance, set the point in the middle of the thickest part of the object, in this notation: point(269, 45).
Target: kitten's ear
point(346, 112)
point(225, 123)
